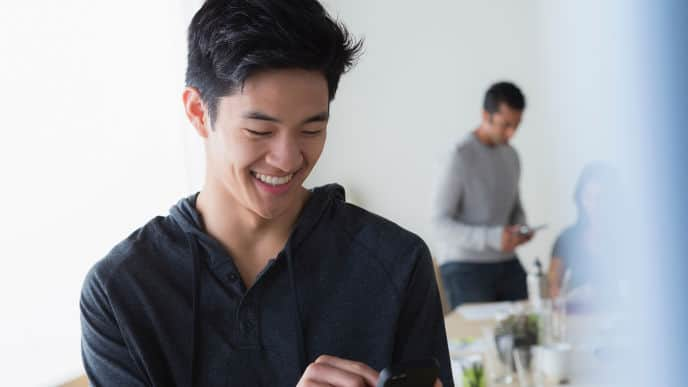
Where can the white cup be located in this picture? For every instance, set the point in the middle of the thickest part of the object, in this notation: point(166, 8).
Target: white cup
point(554, 361)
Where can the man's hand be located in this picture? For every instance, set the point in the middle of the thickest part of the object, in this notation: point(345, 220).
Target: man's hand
point(511, 238)
point(328, 371)
point(333, 371)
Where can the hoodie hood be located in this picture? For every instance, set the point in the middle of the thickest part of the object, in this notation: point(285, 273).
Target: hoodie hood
point(321, 199)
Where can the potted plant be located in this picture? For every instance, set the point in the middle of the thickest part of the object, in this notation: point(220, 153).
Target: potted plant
point(515, 331)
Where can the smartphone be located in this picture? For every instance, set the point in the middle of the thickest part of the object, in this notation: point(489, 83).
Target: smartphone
point(421, 373)
point(525, 230)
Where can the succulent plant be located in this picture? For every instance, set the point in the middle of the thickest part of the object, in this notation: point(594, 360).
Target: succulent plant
point(523, 328)
point(474, 375)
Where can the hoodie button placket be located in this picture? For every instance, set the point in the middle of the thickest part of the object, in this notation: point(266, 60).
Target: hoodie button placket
point(248, 322)
point(233, 282)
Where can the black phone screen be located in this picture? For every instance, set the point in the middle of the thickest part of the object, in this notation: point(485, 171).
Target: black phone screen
point(411, 374)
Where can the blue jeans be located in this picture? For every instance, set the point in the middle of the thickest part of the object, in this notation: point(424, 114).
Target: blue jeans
point(484, 282)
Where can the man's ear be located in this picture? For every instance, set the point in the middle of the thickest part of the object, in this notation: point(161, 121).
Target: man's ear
point(196, 111)
point(486, 116)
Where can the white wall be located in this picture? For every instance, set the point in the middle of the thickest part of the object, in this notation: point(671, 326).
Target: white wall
point(91, 147)
point(419, 87)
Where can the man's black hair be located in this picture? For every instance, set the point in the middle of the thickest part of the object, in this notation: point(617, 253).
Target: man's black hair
point(503, 92)
point(229, 40)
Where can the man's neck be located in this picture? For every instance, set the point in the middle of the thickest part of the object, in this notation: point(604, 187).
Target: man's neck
point(479, 133)
point(250, 239)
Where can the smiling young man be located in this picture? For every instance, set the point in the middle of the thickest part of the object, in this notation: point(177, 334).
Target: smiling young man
point(477, 207)
point(255, 280)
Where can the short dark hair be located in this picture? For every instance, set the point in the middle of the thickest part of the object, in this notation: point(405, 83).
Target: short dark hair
point(229, 40)
point(503, 92)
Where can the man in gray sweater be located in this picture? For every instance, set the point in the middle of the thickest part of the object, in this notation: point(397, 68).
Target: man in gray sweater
point(477, 210)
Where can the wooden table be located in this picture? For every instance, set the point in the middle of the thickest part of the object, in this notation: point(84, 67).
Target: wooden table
point(459, 328)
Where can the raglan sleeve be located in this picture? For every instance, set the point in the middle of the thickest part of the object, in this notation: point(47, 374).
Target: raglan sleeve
point(106, 358)
point(420, 330)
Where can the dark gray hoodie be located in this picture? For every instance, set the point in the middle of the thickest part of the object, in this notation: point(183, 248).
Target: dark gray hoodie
point(167, 307)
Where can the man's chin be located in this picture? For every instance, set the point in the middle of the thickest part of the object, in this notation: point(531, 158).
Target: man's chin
point(271, 207)
point(265, 213)
point(270, 212)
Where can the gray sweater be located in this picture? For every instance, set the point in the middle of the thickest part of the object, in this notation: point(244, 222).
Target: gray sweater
point(476, 196)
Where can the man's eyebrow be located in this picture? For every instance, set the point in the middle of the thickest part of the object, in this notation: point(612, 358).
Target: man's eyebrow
point(256, 115)
point(320, 117)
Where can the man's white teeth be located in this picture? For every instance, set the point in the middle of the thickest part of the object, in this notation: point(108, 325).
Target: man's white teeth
point(274, 180)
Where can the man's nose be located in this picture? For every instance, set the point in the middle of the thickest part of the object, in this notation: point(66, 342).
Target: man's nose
point(285, 154)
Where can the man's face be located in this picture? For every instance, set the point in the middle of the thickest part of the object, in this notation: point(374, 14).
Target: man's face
point(501, 125)
point(266, 138)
